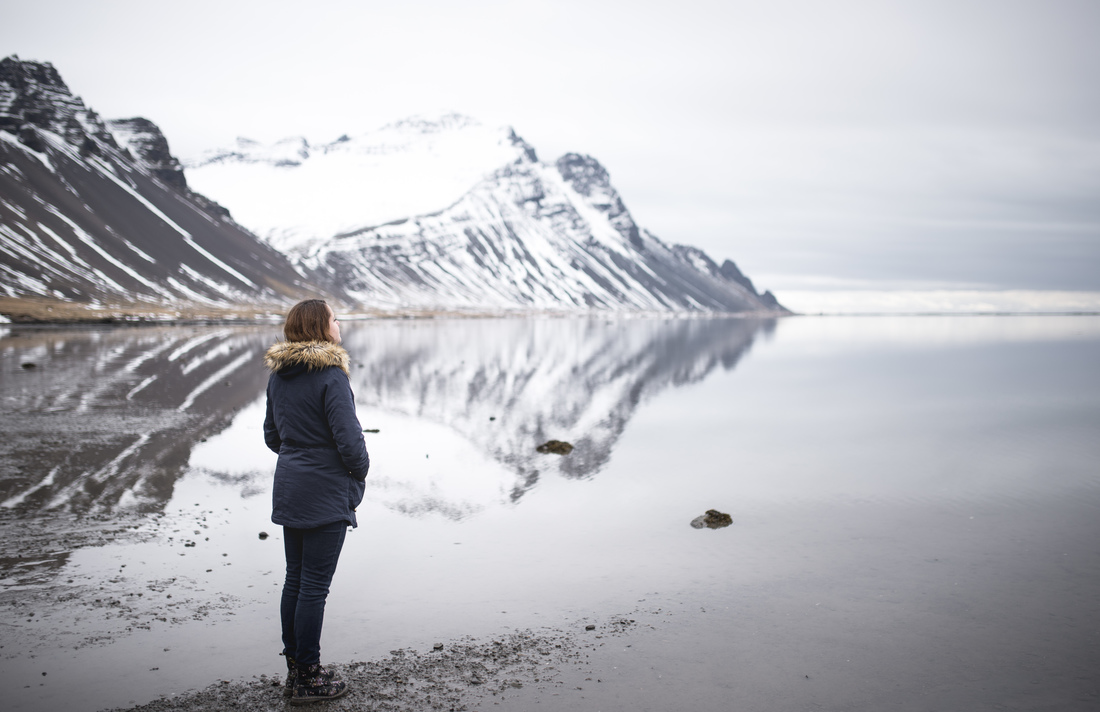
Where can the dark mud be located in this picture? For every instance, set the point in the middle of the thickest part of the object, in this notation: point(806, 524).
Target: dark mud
point(461, 675)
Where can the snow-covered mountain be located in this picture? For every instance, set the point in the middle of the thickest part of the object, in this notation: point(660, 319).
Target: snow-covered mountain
point(442, 214)
point(292, 193)
point(451, 214)
point(100, 212)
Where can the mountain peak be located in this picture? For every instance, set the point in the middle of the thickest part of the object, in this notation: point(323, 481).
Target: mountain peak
point(528, 150)
point(295, 194)
point(86, 220)
point(23, 74)
point(584, 173)
point(730, 271)
point(33, 97)
point(590, 179)
point(427, 125)
point(148, 145)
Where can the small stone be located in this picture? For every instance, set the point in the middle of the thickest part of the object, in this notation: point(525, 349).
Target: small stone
point(713, 519)
point(437, 646)
point(556, 447)
point(28, 365)
point(590, 627)
point(263, 535)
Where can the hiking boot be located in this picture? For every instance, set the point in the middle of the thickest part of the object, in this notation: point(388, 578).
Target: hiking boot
point(291, 677)
point(316, 684)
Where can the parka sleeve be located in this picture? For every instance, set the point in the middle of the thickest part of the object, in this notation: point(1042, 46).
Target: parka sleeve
point(346, 430)
point(271, 433)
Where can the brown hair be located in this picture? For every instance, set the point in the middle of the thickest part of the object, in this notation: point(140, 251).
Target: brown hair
point(307, 321)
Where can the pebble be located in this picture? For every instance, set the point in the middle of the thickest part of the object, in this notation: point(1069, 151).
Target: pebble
point(557, 447)
point(713, 519)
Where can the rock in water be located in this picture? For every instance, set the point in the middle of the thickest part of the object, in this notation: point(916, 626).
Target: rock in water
point(713, 519)
point(556, 447)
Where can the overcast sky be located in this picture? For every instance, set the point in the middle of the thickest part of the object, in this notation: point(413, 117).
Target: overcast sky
point(821, 145)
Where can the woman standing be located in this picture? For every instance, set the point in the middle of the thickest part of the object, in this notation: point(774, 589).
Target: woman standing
point(319, 477)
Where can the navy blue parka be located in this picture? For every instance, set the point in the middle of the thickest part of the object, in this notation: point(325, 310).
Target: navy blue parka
point(311, 423)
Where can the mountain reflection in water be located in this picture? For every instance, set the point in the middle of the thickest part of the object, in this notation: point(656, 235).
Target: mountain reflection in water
point(507, 386)
point(103, 421)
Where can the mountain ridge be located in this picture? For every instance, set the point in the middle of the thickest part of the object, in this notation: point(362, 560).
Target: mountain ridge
point(87, 220)
point(101, 212)
point(536, 236)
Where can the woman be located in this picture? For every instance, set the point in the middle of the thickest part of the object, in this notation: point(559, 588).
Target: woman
point(319, 477)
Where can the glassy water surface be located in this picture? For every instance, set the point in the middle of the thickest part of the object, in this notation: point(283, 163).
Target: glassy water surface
point(920, 493)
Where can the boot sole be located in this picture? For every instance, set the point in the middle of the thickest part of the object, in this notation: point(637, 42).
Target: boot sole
point(311, 700)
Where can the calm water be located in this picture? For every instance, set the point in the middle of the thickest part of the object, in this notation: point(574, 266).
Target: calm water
point(915, 505)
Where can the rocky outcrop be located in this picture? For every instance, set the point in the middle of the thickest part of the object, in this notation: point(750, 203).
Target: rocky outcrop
point(34, 99)
point(591, 180)
point(88, 218)
point(149, 146)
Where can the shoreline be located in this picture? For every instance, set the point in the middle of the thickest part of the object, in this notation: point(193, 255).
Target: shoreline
point(47, 312)
point(462, 674)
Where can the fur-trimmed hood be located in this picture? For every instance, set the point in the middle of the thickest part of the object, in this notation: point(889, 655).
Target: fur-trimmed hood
point(312, 355)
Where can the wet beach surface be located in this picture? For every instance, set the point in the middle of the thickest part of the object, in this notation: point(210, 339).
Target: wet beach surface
point(915, 516)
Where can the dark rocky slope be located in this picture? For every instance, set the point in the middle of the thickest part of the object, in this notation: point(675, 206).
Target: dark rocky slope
point(100, 213)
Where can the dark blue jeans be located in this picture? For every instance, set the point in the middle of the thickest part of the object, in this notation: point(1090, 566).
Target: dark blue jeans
point(311, 556)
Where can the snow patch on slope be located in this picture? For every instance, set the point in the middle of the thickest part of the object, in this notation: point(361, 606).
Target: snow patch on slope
point(293, 194)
